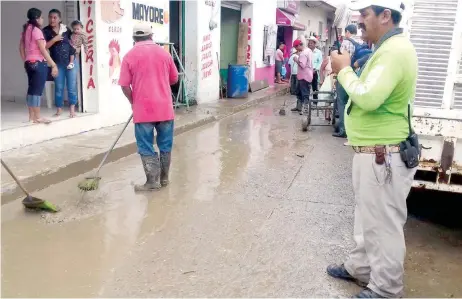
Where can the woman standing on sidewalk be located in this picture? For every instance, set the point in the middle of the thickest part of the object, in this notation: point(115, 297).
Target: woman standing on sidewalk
point(58, 38)
point(32, 48)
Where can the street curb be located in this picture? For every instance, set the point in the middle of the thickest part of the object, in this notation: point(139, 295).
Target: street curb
point(55, 176)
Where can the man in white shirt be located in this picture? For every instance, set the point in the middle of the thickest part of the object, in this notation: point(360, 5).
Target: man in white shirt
point(317, 61)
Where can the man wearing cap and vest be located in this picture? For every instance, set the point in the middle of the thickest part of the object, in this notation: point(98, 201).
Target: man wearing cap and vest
point(145, 77)
point(377, 121)
point(304, 59)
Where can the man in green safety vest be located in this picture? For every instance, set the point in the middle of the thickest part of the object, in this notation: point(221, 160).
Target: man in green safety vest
point(377, 121)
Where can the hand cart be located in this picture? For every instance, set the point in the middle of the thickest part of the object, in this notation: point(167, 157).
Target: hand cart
point(328, 106)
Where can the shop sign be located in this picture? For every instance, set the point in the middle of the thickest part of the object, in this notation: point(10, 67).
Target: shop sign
point(291, 6)
point(147, 13)
point(89, 61)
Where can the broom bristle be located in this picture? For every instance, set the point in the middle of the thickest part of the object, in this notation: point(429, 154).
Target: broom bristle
point(46, 205)
point(89, 184)
point(38, 204)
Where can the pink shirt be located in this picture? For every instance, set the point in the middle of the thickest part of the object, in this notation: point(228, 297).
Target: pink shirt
point(150, 71)
point(305, 67)
point(279, 55)
point(31, 36)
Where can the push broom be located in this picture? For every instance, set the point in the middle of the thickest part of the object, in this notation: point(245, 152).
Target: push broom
point(92, 183)
point(30, 201)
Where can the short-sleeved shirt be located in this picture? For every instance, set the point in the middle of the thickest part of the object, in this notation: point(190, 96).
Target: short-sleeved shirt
point(150, 71)
point(305, 65)
point(348, 46)
point(317, 59)
point(61, 51)
point(279, 55)
point(30, 38)
point(293, 65)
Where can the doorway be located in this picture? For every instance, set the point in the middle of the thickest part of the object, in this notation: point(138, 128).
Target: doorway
point(176, 37)
point(230, 19)
point(14, 111)
point(285, 35)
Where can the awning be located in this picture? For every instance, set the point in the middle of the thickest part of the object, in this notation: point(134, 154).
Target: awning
point(286, 19)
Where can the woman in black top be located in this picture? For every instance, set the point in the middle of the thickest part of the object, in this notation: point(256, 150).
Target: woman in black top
point(58, 42)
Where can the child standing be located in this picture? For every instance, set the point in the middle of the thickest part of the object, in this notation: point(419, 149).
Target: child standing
point(78, 38)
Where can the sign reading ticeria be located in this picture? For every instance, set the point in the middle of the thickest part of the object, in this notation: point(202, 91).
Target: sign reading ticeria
point(142, 12)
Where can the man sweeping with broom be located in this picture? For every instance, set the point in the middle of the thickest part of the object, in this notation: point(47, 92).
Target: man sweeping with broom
point(145, 77)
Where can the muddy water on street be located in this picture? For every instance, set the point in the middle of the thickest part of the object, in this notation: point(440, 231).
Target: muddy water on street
point(240, 218)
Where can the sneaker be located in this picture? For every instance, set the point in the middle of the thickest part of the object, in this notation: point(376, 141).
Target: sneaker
point(367, 293)
point(339, 271)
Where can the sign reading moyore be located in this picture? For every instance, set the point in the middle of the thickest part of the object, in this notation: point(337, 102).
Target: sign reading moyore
point(147, 13)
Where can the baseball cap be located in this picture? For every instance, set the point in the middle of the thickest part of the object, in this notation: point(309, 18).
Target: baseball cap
point(389, 4)
point(297, 43)
point(142, 29)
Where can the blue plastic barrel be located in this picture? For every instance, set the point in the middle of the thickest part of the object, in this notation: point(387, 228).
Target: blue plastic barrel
point(238, 81)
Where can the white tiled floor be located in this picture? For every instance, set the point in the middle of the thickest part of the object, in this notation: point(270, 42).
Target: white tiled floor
point(15, 115)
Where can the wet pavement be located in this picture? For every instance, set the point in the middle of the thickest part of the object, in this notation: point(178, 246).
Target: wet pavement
point(256, 208)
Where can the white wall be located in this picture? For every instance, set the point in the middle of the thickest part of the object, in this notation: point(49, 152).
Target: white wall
point(262, 13)
point(201, 48)
point(13, 14)
point(310, 17)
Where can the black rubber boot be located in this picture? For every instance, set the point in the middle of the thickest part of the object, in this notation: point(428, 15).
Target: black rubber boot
point(151, 165)
point(297, 108)
point(165, 159)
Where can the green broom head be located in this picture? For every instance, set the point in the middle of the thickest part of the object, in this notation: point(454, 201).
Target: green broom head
point(31, 202)
point(89, 184)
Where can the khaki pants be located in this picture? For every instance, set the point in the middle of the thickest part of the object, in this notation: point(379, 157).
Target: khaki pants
point(380, 215)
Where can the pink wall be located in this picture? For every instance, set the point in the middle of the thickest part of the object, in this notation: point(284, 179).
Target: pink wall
point(263, 73)
point(288, 35)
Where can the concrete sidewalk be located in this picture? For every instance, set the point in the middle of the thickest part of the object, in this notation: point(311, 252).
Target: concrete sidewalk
point(50, 162)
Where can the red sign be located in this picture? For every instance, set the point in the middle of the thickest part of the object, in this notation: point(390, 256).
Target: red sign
point(249, 38)
point(89, 29)
point(206, 56)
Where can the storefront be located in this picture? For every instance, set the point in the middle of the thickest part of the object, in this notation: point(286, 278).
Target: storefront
point(108, 26)
point(287, 22)
point(194, 28)
point(14, 113)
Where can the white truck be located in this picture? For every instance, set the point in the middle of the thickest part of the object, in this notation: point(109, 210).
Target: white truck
point(435, 29)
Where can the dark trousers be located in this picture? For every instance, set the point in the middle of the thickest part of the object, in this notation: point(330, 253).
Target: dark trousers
point(293, 85)
point(315, 85)
point(303, 92)
point(342, 100)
